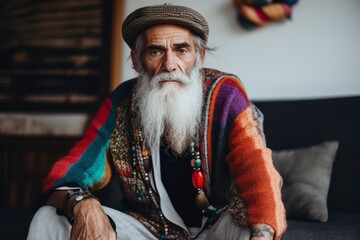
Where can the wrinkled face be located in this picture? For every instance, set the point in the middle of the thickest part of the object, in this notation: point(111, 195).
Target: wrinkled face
point(168, 48)
point(169, 89)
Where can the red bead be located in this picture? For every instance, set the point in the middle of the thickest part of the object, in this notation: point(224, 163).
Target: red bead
point(198, 179)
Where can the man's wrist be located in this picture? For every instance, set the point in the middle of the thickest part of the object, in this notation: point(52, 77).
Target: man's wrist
point(72, 199)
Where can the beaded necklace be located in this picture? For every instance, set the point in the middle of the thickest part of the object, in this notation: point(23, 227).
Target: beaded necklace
point(142, 161)
point(198, 181)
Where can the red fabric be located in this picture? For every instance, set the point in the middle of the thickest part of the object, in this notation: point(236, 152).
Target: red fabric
point(61, 167)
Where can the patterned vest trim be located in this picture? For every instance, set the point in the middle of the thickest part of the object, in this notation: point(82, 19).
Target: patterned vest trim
point(132, 170)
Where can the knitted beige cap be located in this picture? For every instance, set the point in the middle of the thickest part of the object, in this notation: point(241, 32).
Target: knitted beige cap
point(145, 17)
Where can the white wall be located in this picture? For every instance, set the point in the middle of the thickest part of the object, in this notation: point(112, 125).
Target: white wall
point(315, 55)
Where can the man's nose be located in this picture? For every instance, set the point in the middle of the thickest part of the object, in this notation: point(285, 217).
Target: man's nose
point(169, 64)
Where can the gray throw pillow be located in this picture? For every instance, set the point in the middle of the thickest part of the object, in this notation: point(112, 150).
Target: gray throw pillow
point(306, 174)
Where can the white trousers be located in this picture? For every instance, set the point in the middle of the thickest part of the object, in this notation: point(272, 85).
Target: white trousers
point(46, 224)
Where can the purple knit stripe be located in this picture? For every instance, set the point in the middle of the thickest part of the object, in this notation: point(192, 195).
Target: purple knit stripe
point(230, 102)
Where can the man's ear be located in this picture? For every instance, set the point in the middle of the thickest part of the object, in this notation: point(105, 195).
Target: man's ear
point(134, 60)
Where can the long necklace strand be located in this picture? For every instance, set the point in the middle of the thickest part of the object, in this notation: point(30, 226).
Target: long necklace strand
point(142, 161)
point(198, 181)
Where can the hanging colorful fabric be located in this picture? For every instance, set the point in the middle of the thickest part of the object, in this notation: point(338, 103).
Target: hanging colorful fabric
point(258, 13)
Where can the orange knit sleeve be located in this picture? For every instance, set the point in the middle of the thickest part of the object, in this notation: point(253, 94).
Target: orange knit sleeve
point(250, 164)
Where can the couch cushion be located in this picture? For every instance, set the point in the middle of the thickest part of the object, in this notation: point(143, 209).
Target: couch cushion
point(301, 123)
point(306, 174)
point(339, 226)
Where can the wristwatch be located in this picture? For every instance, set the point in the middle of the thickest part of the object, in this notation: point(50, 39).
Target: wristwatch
point(80, 196)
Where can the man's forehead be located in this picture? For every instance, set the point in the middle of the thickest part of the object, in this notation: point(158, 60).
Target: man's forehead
point(175, 34)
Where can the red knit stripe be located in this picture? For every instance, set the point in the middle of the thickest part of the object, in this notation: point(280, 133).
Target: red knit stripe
point(91, 133)
point(61, 167)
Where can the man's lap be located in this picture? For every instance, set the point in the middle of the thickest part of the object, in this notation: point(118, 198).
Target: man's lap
point(46, 224)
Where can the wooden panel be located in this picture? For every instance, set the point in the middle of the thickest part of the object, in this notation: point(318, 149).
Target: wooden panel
point(25, 162)
point(53, 52)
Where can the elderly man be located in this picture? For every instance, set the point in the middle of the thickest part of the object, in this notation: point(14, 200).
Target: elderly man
point(184, 143)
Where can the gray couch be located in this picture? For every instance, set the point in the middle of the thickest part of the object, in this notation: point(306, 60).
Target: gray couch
point(299, 133)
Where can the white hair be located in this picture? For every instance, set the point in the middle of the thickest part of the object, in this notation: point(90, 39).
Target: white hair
point(172, 111)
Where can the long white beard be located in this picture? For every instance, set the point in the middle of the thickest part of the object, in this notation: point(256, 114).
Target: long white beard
point(173, 110)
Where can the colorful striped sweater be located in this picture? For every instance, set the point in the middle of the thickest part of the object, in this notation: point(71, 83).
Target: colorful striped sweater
point(237, 165)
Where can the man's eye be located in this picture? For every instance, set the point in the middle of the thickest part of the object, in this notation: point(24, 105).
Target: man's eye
point(182, 50)
point(154, 52)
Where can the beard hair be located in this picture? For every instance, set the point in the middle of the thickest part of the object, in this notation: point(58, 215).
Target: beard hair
point(173, 111)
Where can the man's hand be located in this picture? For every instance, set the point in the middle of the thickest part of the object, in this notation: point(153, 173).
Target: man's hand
point(91, 222)
point(261, 232)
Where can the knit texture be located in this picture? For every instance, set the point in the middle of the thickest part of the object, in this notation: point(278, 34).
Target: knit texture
point(233, 151)
point(85, 164)
point(146, 17)
point(251, 166)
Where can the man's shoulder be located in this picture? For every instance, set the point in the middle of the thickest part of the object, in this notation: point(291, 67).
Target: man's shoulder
point(215, 78)
point(123, 90)
point(220, 87)
point(213, 74)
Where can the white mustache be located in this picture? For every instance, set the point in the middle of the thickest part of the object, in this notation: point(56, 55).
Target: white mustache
point(171, 76)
